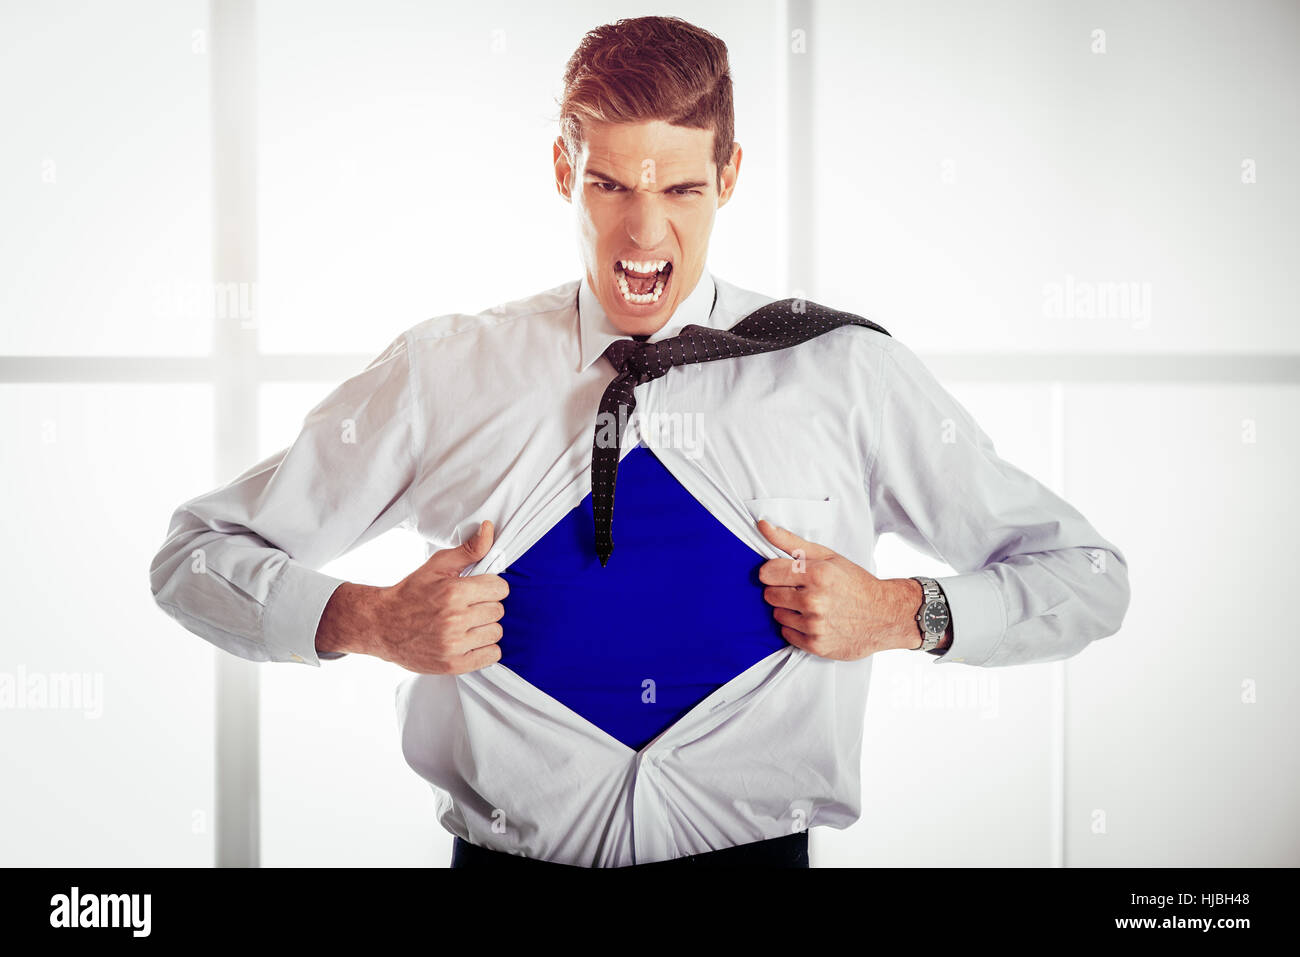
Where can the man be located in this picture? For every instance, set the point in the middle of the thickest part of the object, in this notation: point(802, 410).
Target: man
point(697, 693)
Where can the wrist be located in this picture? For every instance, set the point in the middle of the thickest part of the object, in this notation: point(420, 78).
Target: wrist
point(347, 625)
point(910, 598)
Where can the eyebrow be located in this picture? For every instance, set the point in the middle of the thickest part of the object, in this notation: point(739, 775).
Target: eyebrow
point(689, 184)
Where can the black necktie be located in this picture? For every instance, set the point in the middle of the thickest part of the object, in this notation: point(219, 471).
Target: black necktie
point(778, 325)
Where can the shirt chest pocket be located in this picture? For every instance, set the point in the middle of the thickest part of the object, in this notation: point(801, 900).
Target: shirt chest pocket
point(809, 518)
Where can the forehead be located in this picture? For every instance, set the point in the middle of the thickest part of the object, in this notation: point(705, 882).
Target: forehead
point(625, 147)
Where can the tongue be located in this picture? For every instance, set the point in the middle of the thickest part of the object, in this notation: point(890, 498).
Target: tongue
point(641, 286)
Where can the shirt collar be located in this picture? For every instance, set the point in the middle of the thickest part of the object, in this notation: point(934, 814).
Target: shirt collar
point(596, 332)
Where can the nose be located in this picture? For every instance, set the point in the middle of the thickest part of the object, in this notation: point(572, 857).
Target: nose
point(646, 220)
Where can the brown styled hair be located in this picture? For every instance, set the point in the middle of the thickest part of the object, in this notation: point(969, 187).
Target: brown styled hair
point(650, 68)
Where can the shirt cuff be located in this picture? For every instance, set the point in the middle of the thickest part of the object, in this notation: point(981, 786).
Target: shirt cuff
point(292, 614)
point(979, 619)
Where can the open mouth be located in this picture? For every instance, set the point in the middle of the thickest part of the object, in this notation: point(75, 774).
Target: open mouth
point(642, 283)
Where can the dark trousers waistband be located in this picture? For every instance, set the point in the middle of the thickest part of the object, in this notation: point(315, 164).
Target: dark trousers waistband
point(791, 850)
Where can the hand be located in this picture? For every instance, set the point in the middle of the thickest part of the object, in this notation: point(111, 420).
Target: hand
point(830, 607)
point(431, 622)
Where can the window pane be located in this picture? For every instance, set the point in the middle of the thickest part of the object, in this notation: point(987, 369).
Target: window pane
point(986, 181)
point(331, 763)
point(1175, 748)
point(104, 179)
point(107, 727)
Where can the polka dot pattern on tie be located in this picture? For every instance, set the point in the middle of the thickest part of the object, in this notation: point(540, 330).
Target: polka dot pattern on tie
point(778, 325)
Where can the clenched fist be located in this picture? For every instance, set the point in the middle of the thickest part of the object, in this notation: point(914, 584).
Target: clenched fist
point(833, 608)
point(431, 622)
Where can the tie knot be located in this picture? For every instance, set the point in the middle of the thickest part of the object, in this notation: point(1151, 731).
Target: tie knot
point(628, 355)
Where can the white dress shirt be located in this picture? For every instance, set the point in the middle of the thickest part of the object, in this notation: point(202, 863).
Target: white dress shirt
point(467, 417)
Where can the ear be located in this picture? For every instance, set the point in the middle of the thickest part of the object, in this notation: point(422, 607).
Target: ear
point(730, 173)
point(563, 170)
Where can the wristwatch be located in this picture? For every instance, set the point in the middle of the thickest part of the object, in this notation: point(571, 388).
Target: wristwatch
point(933, 618)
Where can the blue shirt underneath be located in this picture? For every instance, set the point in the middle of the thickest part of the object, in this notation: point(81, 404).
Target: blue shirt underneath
point(679, 604)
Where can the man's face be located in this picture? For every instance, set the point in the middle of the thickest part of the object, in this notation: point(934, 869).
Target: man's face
point(645, 195)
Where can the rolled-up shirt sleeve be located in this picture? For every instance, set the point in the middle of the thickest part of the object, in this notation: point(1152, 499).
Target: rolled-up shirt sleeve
point(1036, 582)
point(240, 564)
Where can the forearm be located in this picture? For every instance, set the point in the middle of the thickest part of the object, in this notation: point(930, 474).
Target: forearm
point(232, 587)
point(1032, 579)
point(1041, 606)
point(351, 620)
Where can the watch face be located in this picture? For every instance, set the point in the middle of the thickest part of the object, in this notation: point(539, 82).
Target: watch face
point(935, 618)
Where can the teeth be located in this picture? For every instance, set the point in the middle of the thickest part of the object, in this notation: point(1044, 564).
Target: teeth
point(632, 297)
point(643, 267)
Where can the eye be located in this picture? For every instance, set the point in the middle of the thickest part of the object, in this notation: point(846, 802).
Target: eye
point(686, 192)
point(611, 187)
